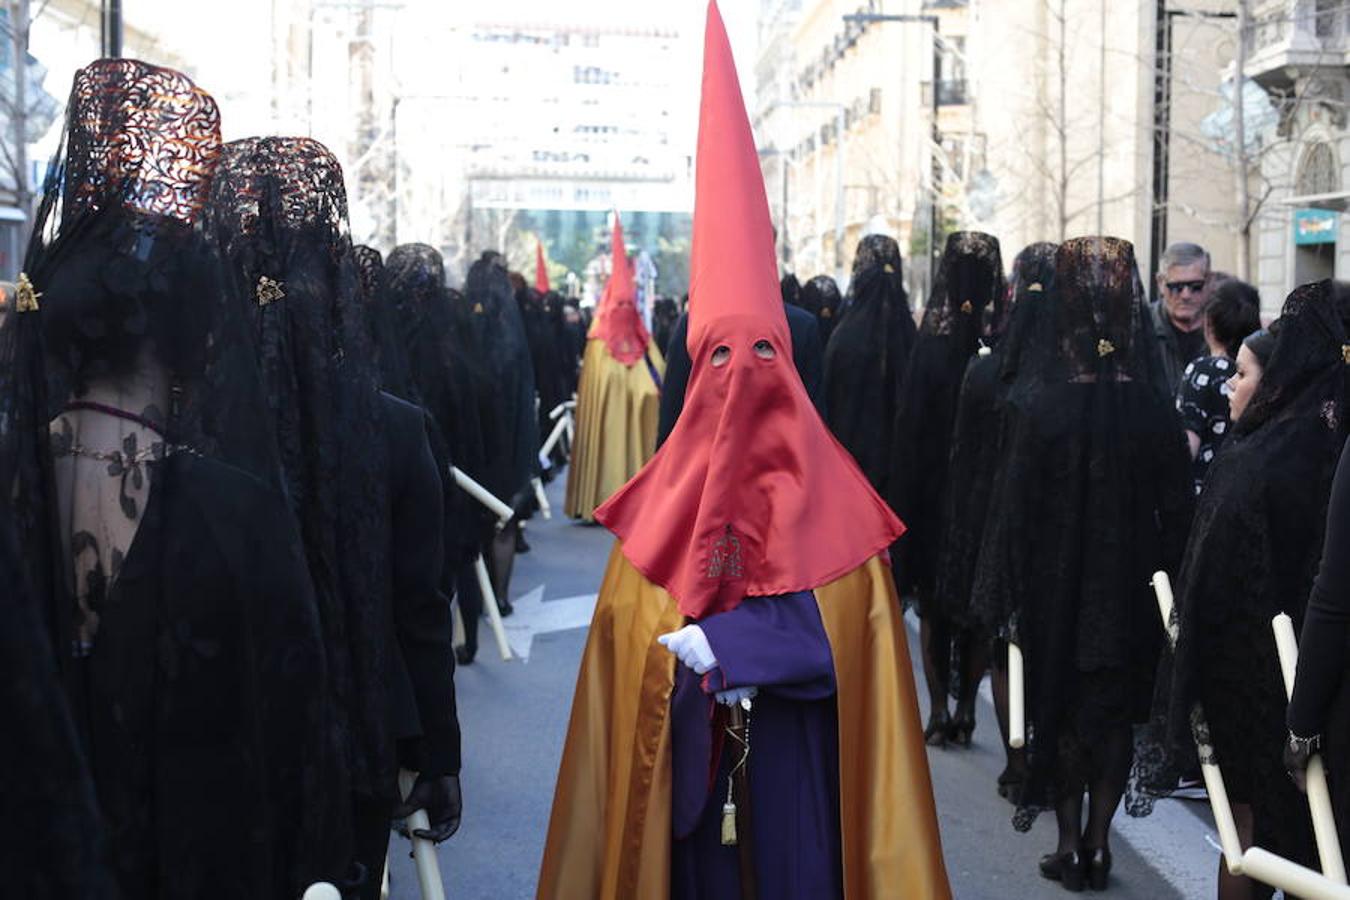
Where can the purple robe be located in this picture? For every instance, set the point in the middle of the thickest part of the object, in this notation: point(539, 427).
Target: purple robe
point(778, 645)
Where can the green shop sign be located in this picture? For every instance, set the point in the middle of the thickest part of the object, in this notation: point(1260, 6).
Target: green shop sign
point(1315, 226)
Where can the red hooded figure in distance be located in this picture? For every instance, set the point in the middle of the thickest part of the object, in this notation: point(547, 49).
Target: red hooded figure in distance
point(749, 566)
point(619, 397)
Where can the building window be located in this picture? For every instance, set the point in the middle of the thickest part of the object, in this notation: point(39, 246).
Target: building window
point(1317, 170)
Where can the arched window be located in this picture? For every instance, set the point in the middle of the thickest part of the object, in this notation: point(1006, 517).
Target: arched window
point(1318, 170)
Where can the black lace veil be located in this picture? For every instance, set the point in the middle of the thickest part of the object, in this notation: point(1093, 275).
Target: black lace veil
point(969, 284)
point(496, 327)
point(278, 209)
point(978, 435)
point(866, 358)
point(1091, 500)
point(448, 377)
point(202, 624)
point(1253, 552)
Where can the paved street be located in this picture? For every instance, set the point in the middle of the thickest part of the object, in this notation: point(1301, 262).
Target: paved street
point(514, 715)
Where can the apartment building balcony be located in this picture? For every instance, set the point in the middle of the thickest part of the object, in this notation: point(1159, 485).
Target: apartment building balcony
point(1293, 36)
point(951, 92)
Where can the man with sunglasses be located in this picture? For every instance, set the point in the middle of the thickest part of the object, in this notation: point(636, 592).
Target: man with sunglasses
point(1178, 316)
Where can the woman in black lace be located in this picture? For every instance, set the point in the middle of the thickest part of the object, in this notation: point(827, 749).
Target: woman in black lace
point(450, 379)
point(546, 357)
point(1093, 498)
point(969, 292)
point(1202, 398)
point(977, 453)
point(866, 357)
point(820, 297)
point(152, 518)
point(1253, 552)
point(495, 324)
point(280, 213)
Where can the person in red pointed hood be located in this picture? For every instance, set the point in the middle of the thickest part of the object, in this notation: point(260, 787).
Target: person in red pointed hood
point(749, 566)
point(619, 397)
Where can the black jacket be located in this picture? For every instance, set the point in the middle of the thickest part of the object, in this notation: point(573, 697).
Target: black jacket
point(807, 355)
point(422, 667)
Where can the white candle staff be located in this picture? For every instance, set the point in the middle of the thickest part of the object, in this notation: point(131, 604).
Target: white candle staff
point(1291, 877)
point(544, 509)
point(490, 604)
point(482, 495)
point(563, 427)
point(1017, 715)
point(1319, 795)
point(424, 851)
point(1209, 765)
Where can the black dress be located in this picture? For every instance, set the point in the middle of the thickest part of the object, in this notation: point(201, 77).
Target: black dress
point(1253, 552)
point(866, 360)
point(978, 439)
point(201, 704)
point(1321, 701)
point(1094, 497)
point(49, 824)
point(968, 293)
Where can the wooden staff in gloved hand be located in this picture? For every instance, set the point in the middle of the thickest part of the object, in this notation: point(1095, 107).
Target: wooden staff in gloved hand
point(432, 807)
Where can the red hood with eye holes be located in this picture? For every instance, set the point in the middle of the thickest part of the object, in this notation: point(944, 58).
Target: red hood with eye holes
point(751, 495)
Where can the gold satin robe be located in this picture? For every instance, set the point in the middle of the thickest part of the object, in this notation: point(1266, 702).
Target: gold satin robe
point(618, 408)
point(609, 837)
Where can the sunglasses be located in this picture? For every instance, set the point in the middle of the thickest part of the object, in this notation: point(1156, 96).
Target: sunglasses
point(1177, 287)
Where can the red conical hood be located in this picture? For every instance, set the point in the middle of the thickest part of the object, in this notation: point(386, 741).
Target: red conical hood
point(617, 322)
point(751, 495)
point(540, 269)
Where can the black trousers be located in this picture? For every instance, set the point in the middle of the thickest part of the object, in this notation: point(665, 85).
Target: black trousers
point(370, 826)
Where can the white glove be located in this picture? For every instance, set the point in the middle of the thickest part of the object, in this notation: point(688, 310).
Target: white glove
point(736, 695)
point(691, 646)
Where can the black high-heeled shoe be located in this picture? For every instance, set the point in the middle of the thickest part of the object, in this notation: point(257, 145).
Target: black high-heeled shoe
point(938, 727)
point(1098, 868)
point(962, 727)
point(1066, 868)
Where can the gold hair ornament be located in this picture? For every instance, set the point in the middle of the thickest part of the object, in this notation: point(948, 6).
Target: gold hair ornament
point(1345, 353)
point(268, 291)
point(1035, 287)
point(1105, 348)
point(27, 299)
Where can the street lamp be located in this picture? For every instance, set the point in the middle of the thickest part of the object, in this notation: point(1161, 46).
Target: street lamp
point(839, 109)
point(935, 22)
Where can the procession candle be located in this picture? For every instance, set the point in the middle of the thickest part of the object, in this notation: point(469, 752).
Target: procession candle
point(1162, 589)
point(1290, 877)
point(321, 890)
point(457, 636)
point(544, 509)
point(1017, 719)
point(1319, 795)
point(554, 436)
point(424, 851)
point(490, 604)
point(482, 495)
point(1209, 766)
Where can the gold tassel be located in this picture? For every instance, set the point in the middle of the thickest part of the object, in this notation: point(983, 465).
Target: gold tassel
point(728, 824)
